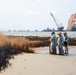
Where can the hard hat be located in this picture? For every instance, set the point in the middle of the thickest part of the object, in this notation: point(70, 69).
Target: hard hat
point(53, 33)
point(59, 33)
point(64, 33)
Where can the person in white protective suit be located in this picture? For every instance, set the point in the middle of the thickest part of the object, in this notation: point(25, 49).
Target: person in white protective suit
point(60, 44)
point(53, 43)
point(66, 42)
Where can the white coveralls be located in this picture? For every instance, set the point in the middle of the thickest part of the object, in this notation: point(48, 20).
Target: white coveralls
point(60, 45)
point(53, 44)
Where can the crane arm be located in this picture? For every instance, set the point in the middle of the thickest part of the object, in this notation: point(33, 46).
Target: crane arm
point(53, 18)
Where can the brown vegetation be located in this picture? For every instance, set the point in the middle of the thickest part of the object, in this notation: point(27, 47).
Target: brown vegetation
point(13, 45)
point(3, 40)
point(19, 43)
point(25, 43)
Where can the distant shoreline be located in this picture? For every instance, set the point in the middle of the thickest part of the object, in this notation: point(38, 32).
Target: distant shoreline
point(35, 33)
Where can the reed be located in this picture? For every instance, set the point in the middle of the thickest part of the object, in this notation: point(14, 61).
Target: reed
point(20, 43)
point(10, 47)
point(3, 40)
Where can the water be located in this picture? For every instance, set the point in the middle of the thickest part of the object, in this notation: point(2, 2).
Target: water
point(32, 33)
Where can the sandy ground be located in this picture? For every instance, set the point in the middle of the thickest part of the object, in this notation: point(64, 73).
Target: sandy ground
point(42, 63)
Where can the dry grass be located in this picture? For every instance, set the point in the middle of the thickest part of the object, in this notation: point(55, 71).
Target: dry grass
point(13, 46)
point(3, 40)
point(10, 47)
point(23, 43)
point(19, 43)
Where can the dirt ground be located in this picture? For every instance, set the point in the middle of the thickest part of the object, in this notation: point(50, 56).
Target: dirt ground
point(42, 63)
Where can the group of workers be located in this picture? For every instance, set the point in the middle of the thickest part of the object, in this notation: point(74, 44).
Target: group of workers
point(61, 41)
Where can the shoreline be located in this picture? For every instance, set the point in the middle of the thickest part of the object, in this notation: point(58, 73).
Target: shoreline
point(34, 33)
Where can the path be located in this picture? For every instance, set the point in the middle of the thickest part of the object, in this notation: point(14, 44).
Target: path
point(42, 63)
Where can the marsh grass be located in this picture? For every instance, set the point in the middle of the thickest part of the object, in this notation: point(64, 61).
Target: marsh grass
point(21, 44)
point(3, 40)
point(12, 46)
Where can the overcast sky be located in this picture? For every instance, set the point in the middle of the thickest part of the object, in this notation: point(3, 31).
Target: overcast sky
point(34, 14)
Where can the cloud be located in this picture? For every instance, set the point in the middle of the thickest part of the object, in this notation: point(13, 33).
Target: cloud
point(32, 13)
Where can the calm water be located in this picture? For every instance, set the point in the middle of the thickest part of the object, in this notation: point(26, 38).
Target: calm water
point(70, 34)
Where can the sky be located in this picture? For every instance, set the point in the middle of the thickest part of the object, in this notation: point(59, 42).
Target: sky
point(34, 14)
